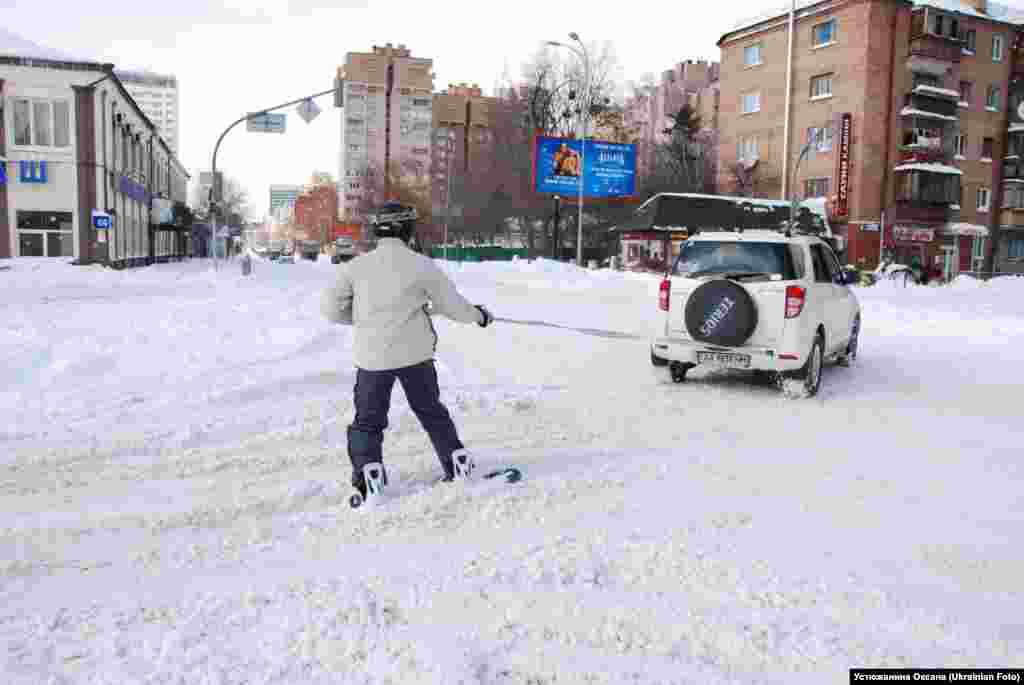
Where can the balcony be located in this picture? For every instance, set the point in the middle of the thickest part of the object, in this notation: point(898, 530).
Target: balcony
point(929, 104)
point(931, 46)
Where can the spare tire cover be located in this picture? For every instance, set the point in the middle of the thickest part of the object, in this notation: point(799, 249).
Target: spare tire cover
point(721, 312)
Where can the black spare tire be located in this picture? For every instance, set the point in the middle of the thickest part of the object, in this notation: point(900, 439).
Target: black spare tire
point(721, 312)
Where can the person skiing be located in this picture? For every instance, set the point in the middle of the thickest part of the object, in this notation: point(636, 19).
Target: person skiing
point(384, 296)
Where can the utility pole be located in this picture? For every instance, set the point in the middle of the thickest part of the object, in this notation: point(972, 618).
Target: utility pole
point(215, 190)
point(556, 238)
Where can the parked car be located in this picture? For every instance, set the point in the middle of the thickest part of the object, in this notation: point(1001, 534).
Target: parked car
point(772, 302)
point(344, 249)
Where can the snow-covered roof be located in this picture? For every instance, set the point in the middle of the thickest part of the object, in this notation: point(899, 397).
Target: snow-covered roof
point(930, 166)
point(911, 112)
point(14, 45)
point(941, 92)
point(960, 228)
point(995, 11)
point(1016, 128)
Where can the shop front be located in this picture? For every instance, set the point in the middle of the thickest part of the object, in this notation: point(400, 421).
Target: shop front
point(44, 233)
point(942, 251)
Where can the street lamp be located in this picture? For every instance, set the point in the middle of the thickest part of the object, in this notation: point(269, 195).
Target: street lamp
point(584, 113)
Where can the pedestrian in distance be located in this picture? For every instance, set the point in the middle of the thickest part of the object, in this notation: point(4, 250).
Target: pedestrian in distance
point(388, 295)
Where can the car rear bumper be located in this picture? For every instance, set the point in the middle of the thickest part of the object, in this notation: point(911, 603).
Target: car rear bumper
point(761, 358)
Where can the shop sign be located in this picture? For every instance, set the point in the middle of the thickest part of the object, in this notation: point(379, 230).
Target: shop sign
point(843, 196)
point(913, 235)
point(133, 190)
point(638, 236)
point(3, 171)
point(101, 221)
point(870, 228)
point(32, 171)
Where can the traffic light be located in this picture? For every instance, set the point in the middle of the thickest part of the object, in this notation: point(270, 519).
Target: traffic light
point(339, 87)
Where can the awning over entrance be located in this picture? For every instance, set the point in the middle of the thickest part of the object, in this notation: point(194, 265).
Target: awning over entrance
point(960, 228)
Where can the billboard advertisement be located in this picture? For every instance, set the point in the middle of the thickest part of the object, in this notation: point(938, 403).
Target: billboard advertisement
point(609, 169)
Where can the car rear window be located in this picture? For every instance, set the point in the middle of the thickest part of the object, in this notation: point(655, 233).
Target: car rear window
point(707, 258)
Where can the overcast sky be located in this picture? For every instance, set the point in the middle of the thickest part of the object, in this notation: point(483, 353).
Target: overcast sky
point(233, 56)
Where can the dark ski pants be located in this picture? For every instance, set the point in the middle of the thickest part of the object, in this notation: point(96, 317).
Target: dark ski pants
point(373, 399)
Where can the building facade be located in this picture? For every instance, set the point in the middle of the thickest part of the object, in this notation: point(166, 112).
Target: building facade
point(901, 110)
point(74, 144)
point(462, 122)
point(282, 198)
point(157, 95)
point(385, 121)
point(316, 210)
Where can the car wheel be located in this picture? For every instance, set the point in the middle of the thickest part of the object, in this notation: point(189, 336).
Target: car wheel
point(658, 361)
point(850, 356)
point(810, 375)
point(678, 371)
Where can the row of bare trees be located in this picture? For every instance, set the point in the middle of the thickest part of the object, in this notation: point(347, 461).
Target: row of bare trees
point(495, 197)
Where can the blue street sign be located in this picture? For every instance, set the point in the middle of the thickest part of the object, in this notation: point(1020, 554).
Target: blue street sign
point(267, 122)
point(3, 173)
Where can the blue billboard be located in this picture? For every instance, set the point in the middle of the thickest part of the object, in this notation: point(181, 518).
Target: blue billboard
point(609, 169)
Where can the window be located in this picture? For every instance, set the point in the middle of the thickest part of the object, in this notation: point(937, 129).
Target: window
point(22, 123)
point(1015, 248)
point(752, 55)
point(816, 187)
point(821, 272)
point(987, 145)
point(821, 86)
point(822, 137)
point(42, 123)
point(751, 103)
point(998, 47)
point(984, 195)
point(992, 98)
point(970, 41)
point(421, 102)
point(960, 146)
point(746, 149)
point(965, 93)
point(824, 33)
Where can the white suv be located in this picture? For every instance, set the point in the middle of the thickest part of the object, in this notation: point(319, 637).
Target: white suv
point(759, 300)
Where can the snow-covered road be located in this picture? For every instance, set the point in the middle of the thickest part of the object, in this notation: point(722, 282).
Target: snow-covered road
point(173, 501)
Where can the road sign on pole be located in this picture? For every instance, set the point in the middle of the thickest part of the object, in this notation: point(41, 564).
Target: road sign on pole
point(265, 122)
point(308, 110)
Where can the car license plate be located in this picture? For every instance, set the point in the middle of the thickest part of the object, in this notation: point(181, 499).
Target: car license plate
point(730, 359)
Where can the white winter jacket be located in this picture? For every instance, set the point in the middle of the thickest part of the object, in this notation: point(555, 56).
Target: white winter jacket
point(384, 295)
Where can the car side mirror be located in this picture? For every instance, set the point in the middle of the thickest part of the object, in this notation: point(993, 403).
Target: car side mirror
point(843, 278)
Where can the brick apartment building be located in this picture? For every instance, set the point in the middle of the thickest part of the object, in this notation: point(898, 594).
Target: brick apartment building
point(647, 112)
point(463, 118)
point(385, 122)
point(913, 107)
point(316, 211)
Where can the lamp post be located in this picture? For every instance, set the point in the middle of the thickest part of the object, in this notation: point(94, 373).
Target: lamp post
point(796, 170)
point(448, 196)
point(584, 114)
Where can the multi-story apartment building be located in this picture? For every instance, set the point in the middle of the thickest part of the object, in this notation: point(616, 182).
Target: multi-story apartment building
point(648, 112)
point(905, 107)
point(85, 173)
point(385, 121)
point(157, 95)
point(463, 119)
point(282, 197)
point(316, 209)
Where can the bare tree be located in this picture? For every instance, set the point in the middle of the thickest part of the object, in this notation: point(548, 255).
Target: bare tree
point(234, 200)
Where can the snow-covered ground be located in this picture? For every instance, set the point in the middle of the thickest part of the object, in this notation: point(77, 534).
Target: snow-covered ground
point(173, 501)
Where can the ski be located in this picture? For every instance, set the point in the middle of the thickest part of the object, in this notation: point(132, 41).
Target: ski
point(506, 474)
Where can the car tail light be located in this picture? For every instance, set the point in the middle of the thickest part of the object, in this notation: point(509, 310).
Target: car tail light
point(663, 293)
point(794, 301)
